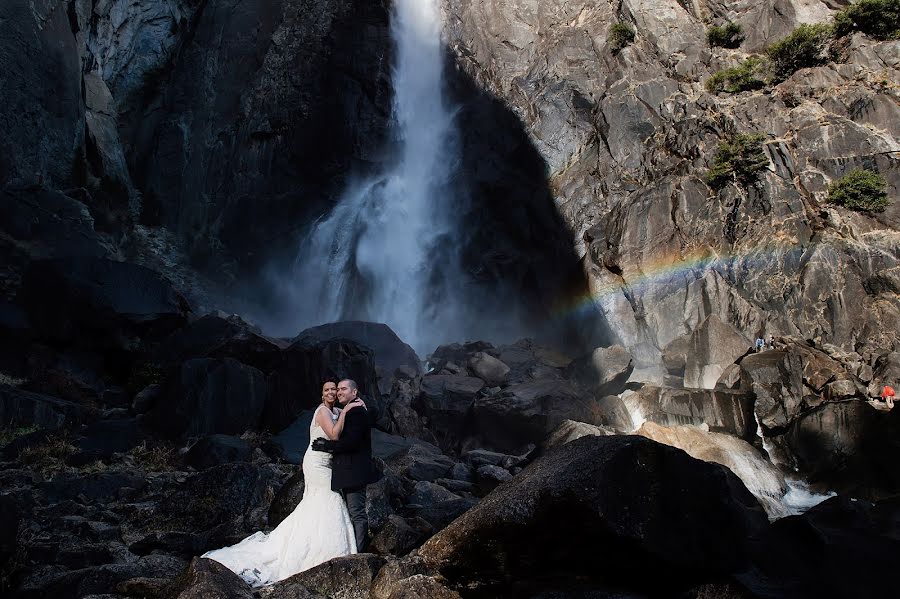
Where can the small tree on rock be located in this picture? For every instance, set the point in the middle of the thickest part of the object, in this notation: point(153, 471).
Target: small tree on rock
point(741, 159)
point(861, 190)
point(620, 35)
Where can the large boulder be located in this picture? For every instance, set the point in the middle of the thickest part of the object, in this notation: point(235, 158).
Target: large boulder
point(214, 450)
point(390, 351)
point(296, 383)
point(446, 401)
point(211, 396)
point(209, 578)
point(492, 371)
point(347, 577)
point(828, 552)
point(713, 346)
point(527, 412)
point(720, 409)
point(605, 371)
point(99, 303)
point(19, 409)
point(219, 335)
point(634, 499)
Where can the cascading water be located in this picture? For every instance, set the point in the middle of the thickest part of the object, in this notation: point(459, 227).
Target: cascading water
point(387, 252)
point(779, 495)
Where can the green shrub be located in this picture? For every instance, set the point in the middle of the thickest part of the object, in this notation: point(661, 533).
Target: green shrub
point(740, 159)
point(620, 35)
point(860, 190)
point(877, 18)
point(805, 47)
point(737, 79)
point(729, 36)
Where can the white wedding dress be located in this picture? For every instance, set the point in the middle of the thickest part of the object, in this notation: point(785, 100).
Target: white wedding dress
point(318, 529)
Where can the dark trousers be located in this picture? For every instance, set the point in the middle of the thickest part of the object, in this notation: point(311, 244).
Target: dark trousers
point(355, 497)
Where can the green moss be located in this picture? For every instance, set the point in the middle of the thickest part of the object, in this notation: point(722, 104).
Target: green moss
point(741, 78)
point(740, 159)
point(620, 35)
point(729, 36)
point(877, 18)
point(861, 190)
point(805, 47)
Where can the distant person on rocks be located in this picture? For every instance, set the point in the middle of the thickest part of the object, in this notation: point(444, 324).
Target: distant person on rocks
point(319, 528)
point(759, 344)
point(770, 341)
point(887, 395)
point(353, 467)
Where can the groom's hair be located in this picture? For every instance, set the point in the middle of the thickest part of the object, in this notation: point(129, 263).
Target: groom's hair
point(352, 384)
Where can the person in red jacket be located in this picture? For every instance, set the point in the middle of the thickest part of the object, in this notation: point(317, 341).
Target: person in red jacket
point(887, 394)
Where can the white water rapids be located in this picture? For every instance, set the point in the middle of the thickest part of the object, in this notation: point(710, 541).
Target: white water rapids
point(779, 495)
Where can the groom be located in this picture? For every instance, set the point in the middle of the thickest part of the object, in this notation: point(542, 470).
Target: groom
point(352, 466)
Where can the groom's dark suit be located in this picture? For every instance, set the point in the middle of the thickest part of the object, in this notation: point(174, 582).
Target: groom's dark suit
point(352, 467)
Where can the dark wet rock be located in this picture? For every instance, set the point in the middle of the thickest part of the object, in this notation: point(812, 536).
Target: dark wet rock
point(525, 413)
point(446, 401)
point(829, 444)
point(296, 384)
point(100, 440)
point(349, 577)
point(426, 493)
point(213, 450)
point(384, 498)
point(42, 105)
point(488, 477)
point(20, 408)
point(421, 462)
point(827, 551)
point(221, 336)
point(440, 514)
point(211, 396)
point(399, 535)
point(210, 509)
point(456, 486)
point(208, 578)
point(390, 351)
point(44, 223)
point(492, 371)
point(79, 376)
point(722, 410)
point(405, 421)
point(291, 443)
point(146, 398)
point(397, 575)
point(99, 303)
point(385, 445)
point(480, 457)
point(287, 498)
point(95, 487)
point(587, 489)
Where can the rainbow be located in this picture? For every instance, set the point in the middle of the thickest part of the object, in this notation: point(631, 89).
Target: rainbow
point(675, 270)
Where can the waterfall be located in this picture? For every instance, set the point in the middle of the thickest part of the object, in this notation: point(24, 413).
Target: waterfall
point(387, 252)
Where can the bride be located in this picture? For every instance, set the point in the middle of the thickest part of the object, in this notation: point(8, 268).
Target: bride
point(318, 529)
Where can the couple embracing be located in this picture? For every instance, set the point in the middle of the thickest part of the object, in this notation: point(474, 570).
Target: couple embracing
point(330, 521)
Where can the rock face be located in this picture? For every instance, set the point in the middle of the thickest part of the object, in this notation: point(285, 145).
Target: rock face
point(720, 410)
point(508, 538)
point(627, 137)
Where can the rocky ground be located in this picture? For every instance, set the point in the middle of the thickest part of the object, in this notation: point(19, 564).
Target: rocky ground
point(139, 435)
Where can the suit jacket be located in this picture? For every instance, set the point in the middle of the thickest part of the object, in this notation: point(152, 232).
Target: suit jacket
point(352, 465)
